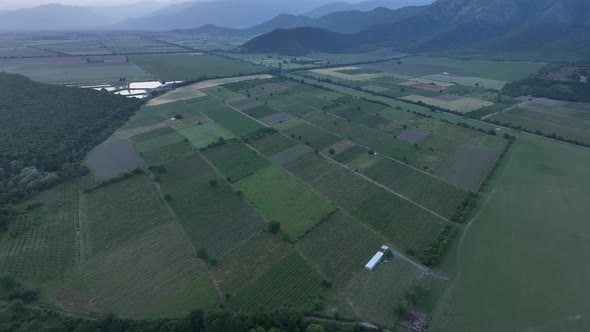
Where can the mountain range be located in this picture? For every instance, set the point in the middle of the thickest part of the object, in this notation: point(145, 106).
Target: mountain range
point(363, 6)
point(474, 26)
point(155, 15)
point(342, 22)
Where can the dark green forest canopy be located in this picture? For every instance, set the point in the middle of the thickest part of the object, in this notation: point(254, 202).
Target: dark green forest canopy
point(47, 130)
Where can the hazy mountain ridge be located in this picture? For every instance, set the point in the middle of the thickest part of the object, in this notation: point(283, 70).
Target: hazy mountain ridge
point(363, 6)
point(52, 17)
point(487, 25)
point(341, 22)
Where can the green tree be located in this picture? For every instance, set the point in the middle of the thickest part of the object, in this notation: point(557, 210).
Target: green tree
point(202, 252)
point(332, 151)
point(315, 328)
point(400, 310)
point(212, 260)
point(274, 226)
point(213, 183)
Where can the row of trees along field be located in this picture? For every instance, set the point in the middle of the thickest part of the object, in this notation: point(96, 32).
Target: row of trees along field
point(47, 130)
point(18, 316)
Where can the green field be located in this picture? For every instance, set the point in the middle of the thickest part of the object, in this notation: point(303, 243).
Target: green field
point(535, 204)
point(123, 279)
point(195, 202)
point(339, 247)
point(79, 72)
point(281, 198)
point(495, 70)
point(188, 66)
point(114, 213)
point(204, 134)
point(235, 160)
point(234, 121)
point(156, 139)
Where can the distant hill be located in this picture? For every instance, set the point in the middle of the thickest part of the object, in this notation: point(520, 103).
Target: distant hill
point(485, 26)
point(52, 17)
point(363, 6)
point(300, 41)
point(121, 12)
point(226, 13)
point(342, 22)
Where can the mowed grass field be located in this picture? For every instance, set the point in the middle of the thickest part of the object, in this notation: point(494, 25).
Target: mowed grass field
point(535, 215)
point(282, 198)
point(178, 67)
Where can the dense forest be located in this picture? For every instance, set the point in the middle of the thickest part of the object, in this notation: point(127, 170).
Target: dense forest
point(47, 130)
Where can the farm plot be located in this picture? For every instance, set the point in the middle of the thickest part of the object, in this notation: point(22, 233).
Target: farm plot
point(376, 140)
point(469, 81)
point(421, 188)
point(156, 139)
point(387, 284)
point(272, 144)
point(162, 113)
point(204, 134)
point(183, 93)
point(533, 125)
point(43, 243)
point(176, 67)
point(235, 160)
point(76, 73)
point(310, 135)
point(275, 119)
point(116, 212)
point(468, 167)
point(210, 212)
point(284, 199)
point(409, 69)
point(135, 45)
point(245, 104)
point(260, 111)
point(408, 226)
point(224, 94)
point(350, 154)
point(339, 247)
point(349, 73)
point(153, 274)
point(414, 135)
point(290, 154)
point(289, 284)
point(508, 71)
point(463, 105)
point(234, 121)
point(168, 153)
point(78, 48)
point(113, 158)
point(295, 109)
point(241, 268)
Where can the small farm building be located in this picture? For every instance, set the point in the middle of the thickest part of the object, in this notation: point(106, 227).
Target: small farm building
point(374, 261)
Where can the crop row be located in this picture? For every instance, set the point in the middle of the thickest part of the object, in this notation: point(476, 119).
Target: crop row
point(235, 160)
point(288, 285)
point(339, 247)
point(422, 188)
point(211, 213)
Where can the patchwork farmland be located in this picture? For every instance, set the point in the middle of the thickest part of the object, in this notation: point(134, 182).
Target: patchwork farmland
point(259, 193)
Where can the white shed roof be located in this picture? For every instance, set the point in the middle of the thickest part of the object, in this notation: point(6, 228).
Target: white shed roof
point(374, 261)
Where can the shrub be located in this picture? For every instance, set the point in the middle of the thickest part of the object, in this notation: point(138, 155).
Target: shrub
point(202, 252)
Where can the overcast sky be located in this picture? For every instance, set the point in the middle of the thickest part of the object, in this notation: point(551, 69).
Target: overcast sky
point(14, 4)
